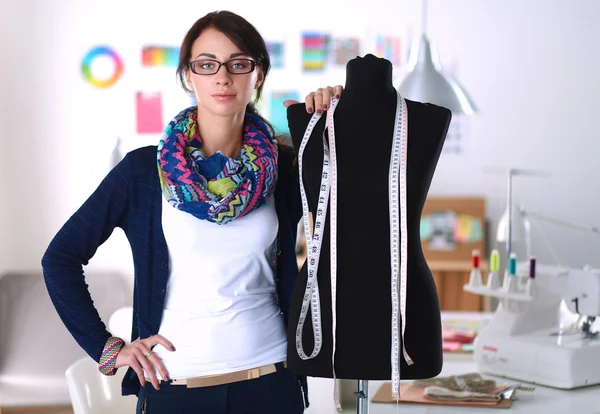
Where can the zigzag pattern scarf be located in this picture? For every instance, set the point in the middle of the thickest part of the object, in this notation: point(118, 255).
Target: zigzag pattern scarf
point(216, 188)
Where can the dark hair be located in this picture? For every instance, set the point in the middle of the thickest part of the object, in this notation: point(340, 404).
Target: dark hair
point(242, 34)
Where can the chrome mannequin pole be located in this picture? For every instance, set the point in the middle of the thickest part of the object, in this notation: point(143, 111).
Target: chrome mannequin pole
point(362, 397)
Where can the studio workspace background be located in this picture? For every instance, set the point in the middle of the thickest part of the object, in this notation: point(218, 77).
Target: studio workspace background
point(531, 67)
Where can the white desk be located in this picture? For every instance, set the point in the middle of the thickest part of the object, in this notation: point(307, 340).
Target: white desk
point(543, 400)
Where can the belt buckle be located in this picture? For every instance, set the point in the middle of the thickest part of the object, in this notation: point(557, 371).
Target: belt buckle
point(254, 373)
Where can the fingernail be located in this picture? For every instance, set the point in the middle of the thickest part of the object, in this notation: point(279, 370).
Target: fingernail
point(167, 378)
point(310, 110)
point(324, 107)
point(337, 96)
point(172, 347)
point(319, 112)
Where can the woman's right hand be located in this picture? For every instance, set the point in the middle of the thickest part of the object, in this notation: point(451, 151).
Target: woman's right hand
point(139, 356)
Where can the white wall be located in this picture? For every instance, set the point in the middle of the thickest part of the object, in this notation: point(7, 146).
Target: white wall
point(5, 29)
point(530, 67)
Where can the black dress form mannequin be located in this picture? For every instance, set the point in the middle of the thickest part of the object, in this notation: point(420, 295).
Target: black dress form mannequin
point(364, 127)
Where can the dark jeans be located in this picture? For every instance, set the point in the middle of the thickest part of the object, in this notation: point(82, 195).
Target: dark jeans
point(277, 393)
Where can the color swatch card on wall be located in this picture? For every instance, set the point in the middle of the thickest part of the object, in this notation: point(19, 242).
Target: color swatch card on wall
point(278, 112)
point(276, 53)
point(389, 47)
point(160, 56)
point(345, 49)
point(314, 51)
point(149, 112)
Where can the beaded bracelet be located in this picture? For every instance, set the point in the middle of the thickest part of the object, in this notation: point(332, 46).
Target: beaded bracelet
point(109, 355)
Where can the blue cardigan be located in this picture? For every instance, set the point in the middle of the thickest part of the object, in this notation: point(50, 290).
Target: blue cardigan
point(130, 198)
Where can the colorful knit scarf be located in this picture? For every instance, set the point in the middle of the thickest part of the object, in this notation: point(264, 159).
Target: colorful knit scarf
point(216, 188)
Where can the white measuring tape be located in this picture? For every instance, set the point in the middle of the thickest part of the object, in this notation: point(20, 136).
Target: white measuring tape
point(313, 244)
point(333, 242)
point(397, 180)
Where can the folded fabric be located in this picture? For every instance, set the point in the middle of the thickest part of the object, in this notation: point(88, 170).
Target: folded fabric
point(468, 382)
point(449, 346)
point(458, 336)
point(444, 394)
point(413, 395)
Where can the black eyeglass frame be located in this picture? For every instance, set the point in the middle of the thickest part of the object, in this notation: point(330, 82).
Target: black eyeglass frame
point(253, 65)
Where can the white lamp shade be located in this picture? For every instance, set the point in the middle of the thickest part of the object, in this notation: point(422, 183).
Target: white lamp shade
point(520, 232)
point(427, 81)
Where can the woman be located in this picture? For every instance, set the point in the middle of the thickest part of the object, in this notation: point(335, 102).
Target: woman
point(211, 216)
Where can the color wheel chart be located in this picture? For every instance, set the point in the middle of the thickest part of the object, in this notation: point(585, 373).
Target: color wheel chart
point(98, 60)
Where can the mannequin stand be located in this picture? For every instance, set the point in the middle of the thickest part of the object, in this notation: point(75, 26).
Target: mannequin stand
point(362, 397)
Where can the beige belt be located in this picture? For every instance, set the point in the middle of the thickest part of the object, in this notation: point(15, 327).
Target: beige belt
point(220, 379)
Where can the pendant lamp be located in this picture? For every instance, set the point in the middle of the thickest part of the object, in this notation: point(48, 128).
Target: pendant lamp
point(427, 81)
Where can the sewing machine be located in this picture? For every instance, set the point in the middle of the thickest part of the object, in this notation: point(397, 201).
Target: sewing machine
point(525, 339)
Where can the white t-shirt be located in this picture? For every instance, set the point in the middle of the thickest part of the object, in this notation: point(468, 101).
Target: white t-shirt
point(221, 310)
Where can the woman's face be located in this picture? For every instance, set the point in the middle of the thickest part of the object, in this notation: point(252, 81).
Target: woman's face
point(223, 93)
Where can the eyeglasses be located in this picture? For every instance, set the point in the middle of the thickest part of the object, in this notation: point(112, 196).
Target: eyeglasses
point(233, 66)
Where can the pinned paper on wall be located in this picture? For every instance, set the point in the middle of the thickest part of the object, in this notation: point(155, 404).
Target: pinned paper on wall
point(160, 56)
point(278, 112)
point(345, 49)
point(438, 229)
point(443, 229)
point(468, 229)
point(276, 53)
point(314, 51)
point(389, 47)
point(148, 108)
point(455, 141)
